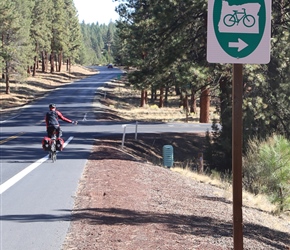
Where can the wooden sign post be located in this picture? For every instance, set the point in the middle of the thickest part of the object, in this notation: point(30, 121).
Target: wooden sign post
point(237, 145)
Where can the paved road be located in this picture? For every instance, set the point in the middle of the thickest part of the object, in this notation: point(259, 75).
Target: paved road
point(36, 195)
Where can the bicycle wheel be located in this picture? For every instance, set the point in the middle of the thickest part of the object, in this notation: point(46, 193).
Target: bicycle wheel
point(229, 20)
point(53, 151)
point(249, 21)
point(53, 156)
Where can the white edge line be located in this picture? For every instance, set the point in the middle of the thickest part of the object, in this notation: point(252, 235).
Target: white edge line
point(68, 141)
point(13, 180)
point(9, 183)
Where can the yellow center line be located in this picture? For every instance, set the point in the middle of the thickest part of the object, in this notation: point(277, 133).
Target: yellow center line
point(17, 135)
point(11, 138)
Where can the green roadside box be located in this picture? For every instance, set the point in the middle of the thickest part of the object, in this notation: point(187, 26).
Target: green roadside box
point(168, 158)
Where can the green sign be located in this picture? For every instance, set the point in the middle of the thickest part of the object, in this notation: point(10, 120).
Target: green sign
point(239, 28)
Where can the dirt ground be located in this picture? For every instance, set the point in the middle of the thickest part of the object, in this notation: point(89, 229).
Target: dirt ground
point(126, 199)
point(125, 202)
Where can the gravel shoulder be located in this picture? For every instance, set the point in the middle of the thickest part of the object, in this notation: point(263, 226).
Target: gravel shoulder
point(124, 203)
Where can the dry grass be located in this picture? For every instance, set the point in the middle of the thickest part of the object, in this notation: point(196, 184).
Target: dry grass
point(250, 200)
point(125, 101)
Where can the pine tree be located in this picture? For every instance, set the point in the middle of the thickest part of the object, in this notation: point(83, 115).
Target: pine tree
point(16, 43)
point(60, 34)
point(171, 36)
point(74, 33)
point(41, 31)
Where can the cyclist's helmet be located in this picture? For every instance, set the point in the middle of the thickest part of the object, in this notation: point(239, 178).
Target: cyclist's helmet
point(52, 106)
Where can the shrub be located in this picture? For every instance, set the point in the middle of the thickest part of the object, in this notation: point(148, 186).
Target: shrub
point(252, 168)
point(267, 169)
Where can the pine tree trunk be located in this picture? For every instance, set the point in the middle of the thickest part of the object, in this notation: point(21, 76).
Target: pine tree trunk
point(281, 196)
point(204, 105)
point(146, 97)
point(161, 99)
point(143, 101)
point(181, 100)
point(46, 61)
point(185, 102)
point(192, 101)
point(34, 66)
point(69, 65)
point(56, 62)
point(7, 80)
point(7, 85)
point(42, 61)
point(166, 95)
point(52, 62)
point(177, 90)
point(59, 62)
point(3, 73)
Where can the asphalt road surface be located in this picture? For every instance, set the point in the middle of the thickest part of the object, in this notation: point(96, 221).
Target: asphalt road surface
point(36, 195)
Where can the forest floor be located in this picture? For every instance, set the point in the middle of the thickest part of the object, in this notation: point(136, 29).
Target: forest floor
point(127, 200)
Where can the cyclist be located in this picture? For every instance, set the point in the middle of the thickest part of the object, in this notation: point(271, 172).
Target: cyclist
point(51, 120)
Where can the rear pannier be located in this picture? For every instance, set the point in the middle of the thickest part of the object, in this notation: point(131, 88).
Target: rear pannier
point(59, 144)
point(46, 143)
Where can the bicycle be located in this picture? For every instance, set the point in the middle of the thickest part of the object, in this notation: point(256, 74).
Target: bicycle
point(56, 144)
point(232, 19)
point(52, 151)
point(53, 142)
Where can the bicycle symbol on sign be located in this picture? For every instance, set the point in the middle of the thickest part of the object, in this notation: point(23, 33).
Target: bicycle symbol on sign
point(232, 19)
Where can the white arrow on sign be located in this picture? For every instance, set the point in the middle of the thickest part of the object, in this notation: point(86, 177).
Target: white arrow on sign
point(240, 45)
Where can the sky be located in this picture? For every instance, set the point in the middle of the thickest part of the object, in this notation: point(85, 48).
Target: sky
point(92, 11)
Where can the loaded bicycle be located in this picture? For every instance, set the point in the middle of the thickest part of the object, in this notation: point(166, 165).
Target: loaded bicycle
point(53, 141)
point(52, 152)
point(52, 145)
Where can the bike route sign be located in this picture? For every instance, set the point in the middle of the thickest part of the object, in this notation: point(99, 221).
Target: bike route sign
point(239, 31)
